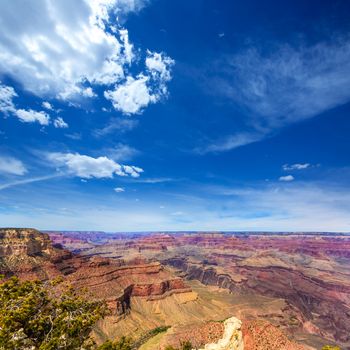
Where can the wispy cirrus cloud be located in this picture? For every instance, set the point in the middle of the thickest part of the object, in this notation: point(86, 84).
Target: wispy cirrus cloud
point(272, 206)
point(29, 180)
point(121, 152)
point(296, 166)
point(12, 166)
point(229, 142)
point(119, 125)
point(284, 86)
point(155, 180)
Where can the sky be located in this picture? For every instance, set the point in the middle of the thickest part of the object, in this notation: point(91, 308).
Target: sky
point(154, 115)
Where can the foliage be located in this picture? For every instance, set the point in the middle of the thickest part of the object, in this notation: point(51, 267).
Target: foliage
point(124, 343)
point(33, 317)
point(158, 330)
point(186, 345)
point(331, 347)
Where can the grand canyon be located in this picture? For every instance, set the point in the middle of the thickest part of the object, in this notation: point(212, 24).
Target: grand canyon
point(174, 175)
point(271, 290)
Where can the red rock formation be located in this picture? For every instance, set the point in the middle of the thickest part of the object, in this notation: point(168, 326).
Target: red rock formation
point(311, 272)
point(198, 335)
point(30, 255)
point(261, 335)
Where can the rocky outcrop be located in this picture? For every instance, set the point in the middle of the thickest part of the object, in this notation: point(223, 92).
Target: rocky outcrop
point(232, 338)
point(233, 334)
point(29, 254)
point(24, 242)
point(118, 282)
point(262, 335)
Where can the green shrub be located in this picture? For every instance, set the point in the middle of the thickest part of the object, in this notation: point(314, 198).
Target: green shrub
point(33, 316)
point(158, 330)
point(186, 345)
point(123, 344)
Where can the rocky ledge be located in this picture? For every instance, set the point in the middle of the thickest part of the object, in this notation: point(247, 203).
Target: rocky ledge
point(29, 254)
point(23, 242)
point(232, 338)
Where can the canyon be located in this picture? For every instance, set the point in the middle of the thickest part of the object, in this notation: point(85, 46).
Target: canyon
point(310, 272)
point(29, 254)
point(288, 290)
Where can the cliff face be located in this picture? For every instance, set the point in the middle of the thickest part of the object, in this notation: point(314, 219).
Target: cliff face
point(29, 254)
point(322, 302)
point(116, 282)
point(24, 242)
point(309, 271)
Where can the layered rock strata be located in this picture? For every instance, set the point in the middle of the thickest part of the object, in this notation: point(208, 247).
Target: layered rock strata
point(30, 255)
point(310, 271)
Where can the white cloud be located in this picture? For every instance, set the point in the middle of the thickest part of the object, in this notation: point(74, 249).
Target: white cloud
point(68, 46)
point(7, 106)
point(76, 46)
point(133, 171)
point(126, 6)
point(60, 123)
point(119, 189)
point(12, 166)
point(88, 167)
point(128, 47)
point(30, 116)
point(132, 96)
point(297, 166)
point(158, 64)
point(284, 85)
point(7, 94)
point(286, 178)
point(47, 105)
point(72, 91)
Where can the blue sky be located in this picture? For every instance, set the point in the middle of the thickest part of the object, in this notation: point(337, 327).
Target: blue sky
point(136, 115)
